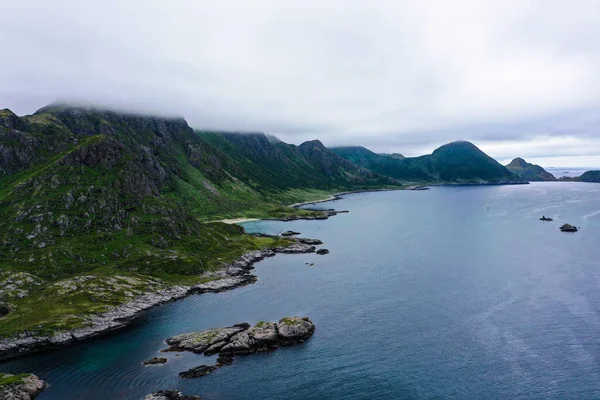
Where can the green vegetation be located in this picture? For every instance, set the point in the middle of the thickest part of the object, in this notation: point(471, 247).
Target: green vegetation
point(530, 172)
point(7, 379)
point(454, 163)
point(98, 207)
point(590, 176)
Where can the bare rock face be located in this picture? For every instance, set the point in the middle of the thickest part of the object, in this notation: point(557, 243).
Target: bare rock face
point(294, 330)
point(16, 387)
point(209, 341)
point(170, 395)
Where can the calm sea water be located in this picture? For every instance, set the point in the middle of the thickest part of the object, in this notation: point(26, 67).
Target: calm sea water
point(568, 172)
point(425, 295)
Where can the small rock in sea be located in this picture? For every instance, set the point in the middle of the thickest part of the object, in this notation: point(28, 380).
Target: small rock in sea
point(568, 228)
point(309, 241)
point(290, 233)
point(170, 395)
point(322, 251)
point(223, 360)
point(544, 218)
point(311, 264)
point(155, 360)
point(197, 372)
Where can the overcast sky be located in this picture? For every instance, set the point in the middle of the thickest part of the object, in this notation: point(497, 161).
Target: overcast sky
point(517, 78)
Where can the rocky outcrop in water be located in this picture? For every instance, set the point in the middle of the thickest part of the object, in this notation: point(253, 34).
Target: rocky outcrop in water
point(20, 387)
point(170, 395)
point(296, 248)
point(155, 360)
point(320, 214)
point(309, 241)
point(240, 339)
point(197, 372)
point(568, 228)
point(290, 233)
point(544, 218)
point(322, 251)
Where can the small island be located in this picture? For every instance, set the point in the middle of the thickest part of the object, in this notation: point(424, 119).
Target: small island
point(544, 218)
point(240, 339)
point(568, 228)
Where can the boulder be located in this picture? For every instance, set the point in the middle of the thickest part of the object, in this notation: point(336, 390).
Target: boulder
point(170, 395)
point(197, 372)
point(294, 330)
point(568, 228)
point(322, 251)
point(155, 360)
point(544, 218)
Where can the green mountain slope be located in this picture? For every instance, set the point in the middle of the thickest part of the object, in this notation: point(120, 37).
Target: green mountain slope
point(590, 176)
point(530, 172)
point(97, 193)
point(456, 163)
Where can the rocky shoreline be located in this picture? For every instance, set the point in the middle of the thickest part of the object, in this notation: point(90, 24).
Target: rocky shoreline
point(231, 276)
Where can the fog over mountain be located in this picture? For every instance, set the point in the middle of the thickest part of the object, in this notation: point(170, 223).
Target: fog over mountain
point(517, 78)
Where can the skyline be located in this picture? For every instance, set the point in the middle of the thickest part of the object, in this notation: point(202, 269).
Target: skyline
point(518, 79)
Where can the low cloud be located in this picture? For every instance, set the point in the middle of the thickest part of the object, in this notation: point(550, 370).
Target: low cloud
point(399, 76)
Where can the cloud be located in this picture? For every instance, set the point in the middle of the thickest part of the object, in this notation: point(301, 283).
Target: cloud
point(395, 76)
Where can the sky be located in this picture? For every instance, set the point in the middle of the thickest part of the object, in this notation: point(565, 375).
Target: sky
point(517, 78)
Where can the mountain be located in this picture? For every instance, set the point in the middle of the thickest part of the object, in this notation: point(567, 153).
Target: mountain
point(454, 163)
point(590, 176)
point(530, 172)
point(97, 194)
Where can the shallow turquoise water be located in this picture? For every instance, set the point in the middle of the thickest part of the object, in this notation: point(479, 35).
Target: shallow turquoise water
point(424, 295)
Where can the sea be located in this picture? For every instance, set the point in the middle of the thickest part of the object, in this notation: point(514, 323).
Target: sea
point(448, 293)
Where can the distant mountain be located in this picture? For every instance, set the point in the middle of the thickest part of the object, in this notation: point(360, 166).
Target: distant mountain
point(590, 176)
point(455, 163)
point(530, 172)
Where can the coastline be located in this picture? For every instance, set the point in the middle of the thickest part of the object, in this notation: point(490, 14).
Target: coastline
point(338, 196)
point(237, 220)
point(231, 276)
